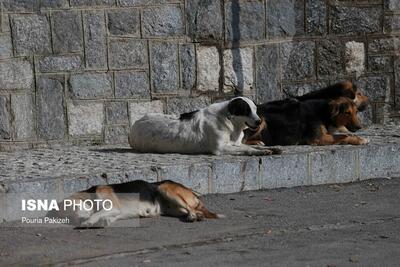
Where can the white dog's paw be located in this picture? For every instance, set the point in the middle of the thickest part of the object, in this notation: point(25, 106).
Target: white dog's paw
point(87, 224)
point(103, 222)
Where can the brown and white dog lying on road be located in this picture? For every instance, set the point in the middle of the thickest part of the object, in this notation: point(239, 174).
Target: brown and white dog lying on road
point(137, 199)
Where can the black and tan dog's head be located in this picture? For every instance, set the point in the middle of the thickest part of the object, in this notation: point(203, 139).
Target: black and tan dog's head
point(344, 113)
point(242, 110)
point(353, 92)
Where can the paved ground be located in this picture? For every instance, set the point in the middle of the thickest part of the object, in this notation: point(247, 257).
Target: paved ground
point(331, 225)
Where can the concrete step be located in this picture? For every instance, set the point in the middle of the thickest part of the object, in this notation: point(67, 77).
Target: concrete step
point(71, 169)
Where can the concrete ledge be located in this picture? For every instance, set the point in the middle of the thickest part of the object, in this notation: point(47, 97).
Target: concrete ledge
point(71, 169)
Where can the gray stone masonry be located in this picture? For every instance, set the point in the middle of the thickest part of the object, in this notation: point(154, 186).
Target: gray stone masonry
point(81, 71)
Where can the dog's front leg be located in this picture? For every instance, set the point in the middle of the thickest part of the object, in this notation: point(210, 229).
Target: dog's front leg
point(248, 151)
point(329, 139)
point(341, 129)
point(101, 218)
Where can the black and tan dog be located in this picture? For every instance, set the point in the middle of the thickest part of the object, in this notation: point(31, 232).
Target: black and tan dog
point(136, 199)
point(343, 89)
point(294, 122)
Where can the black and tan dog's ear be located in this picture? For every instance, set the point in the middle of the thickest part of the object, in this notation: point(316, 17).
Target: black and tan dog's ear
point(348, 89)
point(338, 107)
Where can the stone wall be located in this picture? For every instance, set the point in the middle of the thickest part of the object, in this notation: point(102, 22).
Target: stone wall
point(80, 71)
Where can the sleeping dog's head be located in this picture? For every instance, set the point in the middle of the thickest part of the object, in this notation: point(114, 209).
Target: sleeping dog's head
point(344, 113)
point(243, 111)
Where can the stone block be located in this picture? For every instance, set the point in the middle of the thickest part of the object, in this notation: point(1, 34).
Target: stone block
point(16, 74)
point(187, 55)
point(391, 24)
point(284, 171)
point(205, 19)
point(5, 46)
point(238, 70)
point(31, 34)
point(37, 187)
point(50, 107)
point(128, 53)
point(355, 20)
point(251, 174)
point(142, 2)
point(81, 3)
point(146, 174)
point(59, 63)
point(124, 22)
point(208, 68)
point(285, 18)
point(335, 166)
point(267, 73)
point(383, 45)
point(199, 177)
point(366, 117)
point(164, 67)
point(316, 17)
point(129, 84)
point(379, 161)
point(139, 109)
point(183, 105)
point(176, 173)
point(67, 31)
point(5, 117)
point(163, 21)
point(85, 118)
point(116, 134)
point(397, 80)
point(377, 88)
point(117, 113)
point(298, 61)
point(355, 58)
point(70, 186)
point(23, 110)
point(330, 54)
point(227, 176)
point(5, 23)
point(392, 5)
point(54, 4)
point(244, 20)
point(91, 85)
point(95, 39)
point(20, 5)
point(291, 90)
point(380, 63)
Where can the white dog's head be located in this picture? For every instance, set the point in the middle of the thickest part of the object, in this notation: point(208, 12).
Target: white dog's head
point(243, 111)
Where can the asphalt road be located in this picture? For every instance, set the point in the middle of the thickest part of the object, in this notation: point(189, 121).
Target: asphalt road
point(332, 225)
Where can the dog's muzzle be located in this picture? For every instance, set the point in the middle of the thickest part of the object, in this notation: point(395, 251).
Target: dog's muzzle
point(254, 127)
